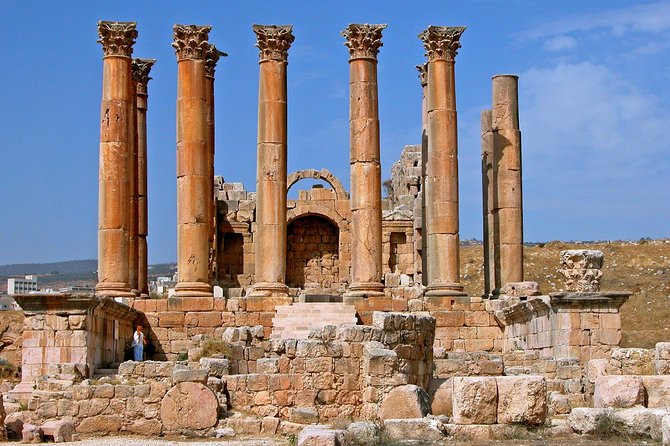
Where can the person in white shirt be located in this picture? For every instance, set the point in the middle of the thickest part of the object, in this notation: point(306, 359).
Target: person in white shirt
point(138, 344)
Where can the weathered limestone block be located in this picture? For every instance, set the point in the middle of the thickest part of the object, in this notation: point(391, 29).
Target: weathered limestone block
point(658, 390)
point(581, 269)
point(522, 399)
point(596, 368)
point(475, 400)
point(196, 376)
point(3, 430)
point(631, 361)
point(31, 434)
point(408, 401)
point(663, 350)
point(100, 424)
point(379, 361)
point(418, 429)
point(321, 435)
point(189, 406)
point(60, 430)
point(304, 415)
point(365, 432)
point(217, 367)
point(618, 391)
point(665, 430)
point(441, 392)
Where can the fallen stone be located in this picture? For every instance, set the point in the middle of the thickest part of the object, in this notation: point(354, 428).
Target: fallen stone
point(365, 432)
point(475, 400)
point(657, 388)
point(189, 405)
point(225, 432)
point(441, 393)
point(522, 399)
point(195, 376)
point(408, 401)
point(60, 430)
point(147, 428)
point(418, 429)
point(320, 435)
point(636, 421)
point(618, 391)
point(303, 415)
point(31, 434)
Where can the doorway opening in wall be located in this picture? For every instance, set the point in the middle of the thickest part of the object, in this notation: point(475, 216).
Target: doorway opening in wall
point(312, 259)
point(230, 259)
point(397, 239)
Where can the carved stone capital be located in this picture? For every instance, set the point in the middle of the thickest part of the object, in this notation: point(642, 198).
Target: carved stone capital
point(581, 269)
point(273, 41)
point(442, 42)
point(190, 41)
point(363, 40)
point(423, 74)
point(117, 38)
point(212, 56)
point(141, 69)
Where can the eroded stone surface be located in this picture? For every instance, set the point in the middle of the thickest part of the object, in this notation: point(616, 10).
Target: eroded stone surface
point(522, 399)
point(618, 391)
point(189, 405)
point(408, 401)
point(475, 400)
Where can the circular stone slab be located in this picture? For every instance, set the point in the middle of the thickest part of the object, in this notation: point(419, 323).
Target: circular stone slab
point(189, 405)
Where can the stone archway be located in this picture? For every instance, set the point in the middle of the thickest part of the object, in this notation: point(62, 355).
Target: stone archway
point(323, 174)
point(312, 253)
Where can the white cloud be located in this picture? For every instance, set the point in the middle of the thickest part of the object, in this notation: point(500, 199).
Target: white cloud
point(560, 43)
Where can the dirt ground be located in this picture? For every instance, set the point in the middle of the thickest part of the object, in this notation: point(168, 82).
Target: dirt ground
point(641, 267)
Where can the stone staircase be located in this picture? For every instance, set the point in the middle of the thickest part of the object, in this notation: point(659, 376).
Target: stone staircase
point(295, 321)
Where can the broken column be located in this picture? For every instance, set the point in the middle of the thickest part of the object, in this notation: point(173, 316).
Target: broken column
point(212, 56)
point(270, 237)
point(487, 201)
point(423, 78)
point(141, 69)
point(507, 201)
point(364, 41)
point(441, 44)
point(193, 203)
point(117, 39)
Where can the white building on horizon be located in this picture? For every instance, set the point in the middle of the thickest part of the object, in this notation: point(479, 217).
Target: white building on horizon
point(21, 286)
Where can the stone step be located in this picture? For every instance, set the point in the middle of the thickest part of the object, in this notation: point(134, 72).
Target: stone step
point(297, 320)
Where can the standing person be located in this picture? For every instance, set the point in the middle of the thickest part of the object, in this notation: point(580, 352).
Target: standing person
point(138, 344)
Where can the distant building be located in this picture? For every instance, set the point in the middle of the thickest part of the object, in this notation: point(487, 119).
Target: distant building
point(21, 286)
point(77, 289)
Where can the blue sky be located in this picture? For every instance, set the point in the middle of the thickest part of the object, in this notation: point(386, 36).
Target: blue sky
point(594, 105)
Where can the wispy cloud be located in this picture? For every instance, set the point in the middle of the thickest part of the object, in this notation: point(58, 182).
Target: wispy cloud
point(560, 43)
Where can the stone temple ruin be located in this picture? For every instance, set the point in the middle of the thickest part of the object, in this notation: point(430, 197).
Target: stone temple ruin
point(337, 305)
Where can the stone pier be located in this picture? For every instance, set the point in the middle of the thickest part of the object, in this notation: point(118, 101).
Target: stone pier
point(507, 198)
point(364, 42)
point(212, 57)
point(193, 203)
point(487, 200)
point(270, 238)
point(116, 139)
point(141, 69)
point(441, 44)
point(423, 78)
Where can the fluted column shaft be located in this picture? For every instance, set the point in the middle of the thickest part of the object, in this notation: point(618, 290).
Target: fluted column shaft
point(270, 236)
point(141, 69)
point(193, 203)
point(116, 139)
point(441, 190)
point(507, 200)
point(423, 78)
point(364, 42)
point(133, 214)
point(487, 203)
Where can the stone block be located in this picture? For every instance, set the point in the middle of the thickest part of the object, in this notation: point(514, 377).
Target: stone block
point(303, 415)
point(31, 434)
point(522, 399)
point(100, 424)
point(418, 430)
point(618, 391)
point(217, 367)
point(662, 350)
point(189, 406)
point(596, 368)
point(194, 376)
point(441, 393)
point(475, 400)
point(408, 401)
point(665, 430)
point(658, 390)
point(321, 435)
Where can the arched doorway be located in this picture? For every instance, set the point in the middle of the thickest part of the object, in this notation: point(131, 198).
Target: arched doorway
point(312, 260)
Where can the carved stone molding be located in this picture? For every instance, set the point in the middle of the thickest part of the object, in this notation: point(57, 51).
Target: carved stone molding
point(273, 41)
point(442, 42)
point(423, 74)
point(117, 38)
point(212, 56)
point(363, 40)
point(190, 41)
point(141, 69)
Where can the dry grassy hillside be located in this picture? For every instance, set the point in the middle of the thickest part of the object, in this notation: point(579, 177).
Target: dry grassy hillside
point(641, 267)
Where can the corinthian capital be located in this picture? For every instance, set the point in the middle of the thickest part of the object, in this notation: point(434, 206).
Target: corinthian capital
point(442, 42)
point(117, 38)
point(190, 41)
point(363, 40)
point(212, 56)
point(423, 73)
point(141, 69)
point(274, 41)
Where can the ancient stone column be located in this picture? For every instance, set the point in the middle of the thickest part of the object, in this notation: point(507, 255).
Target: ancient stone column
point(133, 209)
point(364, 42)
point(507, 200)
point(193, 202)
point(441, 44)
point(487, 201)
point(211, 59)
point(423, 78)
point(141, 69)
point(270, 237)
point(117, 39)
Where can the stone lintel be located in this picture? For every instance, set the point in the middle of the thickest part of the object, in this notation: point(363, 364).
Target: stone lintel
point(190, 41)
point(118, 310)
point(273, 41)
point(524, 311)
point(442, 42)
point(212, 56)
point(117, 38)
point(423, 73)
point(141, 69)
point(45, 303)
point(363, 40)
point(599, 299)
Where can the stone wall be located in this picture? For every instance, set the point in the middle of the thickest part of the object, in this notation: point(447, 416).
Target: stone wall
point(11, 326)
point(312, 257)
